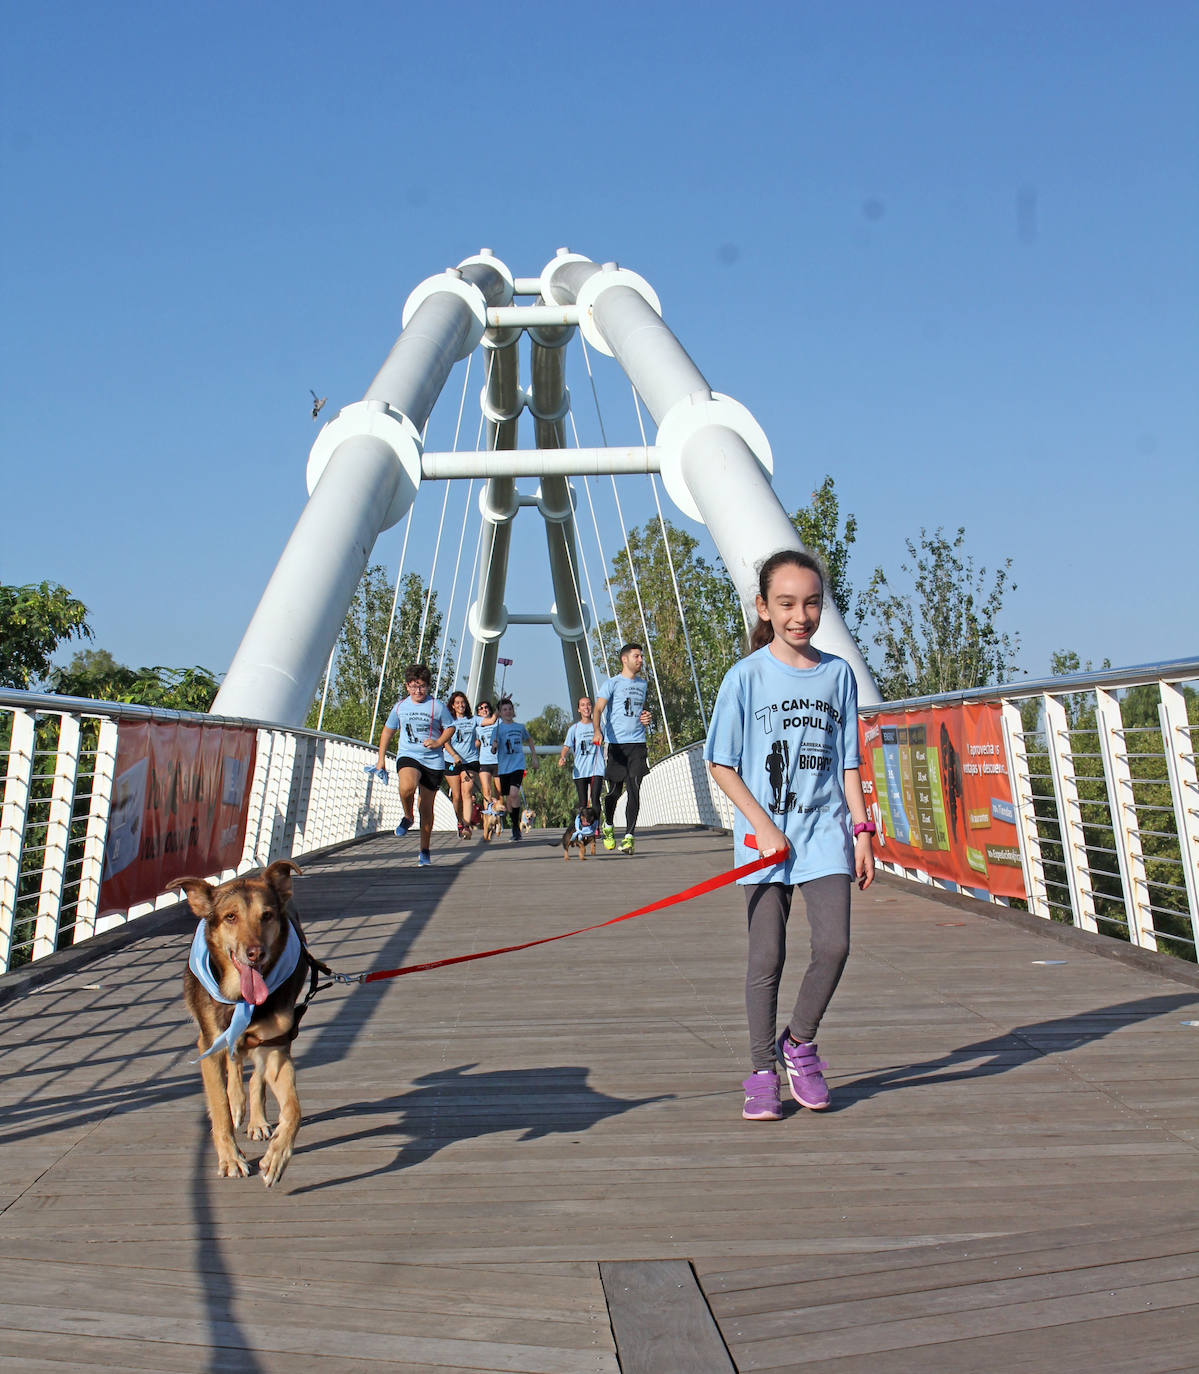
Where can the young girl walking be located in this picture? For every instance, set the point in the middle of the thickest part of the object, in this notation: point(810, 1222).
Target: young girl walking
point(783, 747)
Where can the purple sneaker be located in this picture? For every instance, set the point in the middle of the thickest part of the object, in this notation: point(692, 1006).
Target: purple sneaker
point(762, 1097)
point(804, 1072)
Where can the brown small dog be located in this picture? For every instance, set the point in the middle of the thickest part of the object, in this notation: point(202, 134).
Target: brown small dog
point(582, 832)
point(493, 821)
point(239, 968)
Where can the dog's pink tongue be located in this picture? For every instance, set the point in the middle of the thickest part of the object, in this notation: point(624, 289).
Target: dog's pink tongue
point(253, 986)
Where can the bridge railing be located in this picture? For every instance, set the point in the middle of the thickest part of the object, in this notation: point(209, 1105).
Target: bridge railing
point(58, 760)
point(1102, 767)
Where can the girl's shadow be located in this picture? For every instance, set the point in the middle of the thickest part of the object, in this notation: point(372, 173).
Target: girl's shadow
point(1011, 1049)
point(453, 1105)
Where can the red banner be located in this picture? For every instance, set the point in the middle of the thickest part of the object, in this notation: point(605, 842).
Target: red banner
point(179, 805)
point(936, 783)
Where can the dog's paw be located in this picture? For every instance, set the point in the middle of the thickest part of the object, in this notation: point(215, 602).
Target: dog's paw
point(258, 1130)
point(272, 1164)
point(233, 1165)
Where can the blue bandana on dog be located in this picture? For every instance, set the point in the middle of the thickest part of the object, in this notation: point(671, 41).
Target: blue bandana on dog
point(584, 832)
point(200, 964)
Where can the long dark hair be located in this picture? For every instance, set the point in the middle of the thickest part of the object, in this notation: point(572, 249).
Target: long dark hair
point(456, 696)
point(763, 632)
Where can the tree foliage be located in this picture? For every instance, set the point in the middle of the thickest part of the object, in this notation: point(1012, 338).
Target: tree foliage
point(821, 531)
point(34, 621)
point(942, 635)
point(550, 791)
point(95, 674)
point(361, 647)
point(714, 624)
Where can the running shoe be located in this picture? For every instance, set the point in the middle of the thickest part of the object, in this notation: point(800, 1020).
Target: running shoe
point(762, 1097)
point(423, 860)
point(404, 827)
point(627, 845)
point(609, 836)
point(805, 1072)
point(463, 832)
point(515, 833)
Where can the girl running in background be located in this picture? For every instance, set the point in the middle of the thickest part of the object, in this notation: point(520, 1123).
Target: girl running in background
point(783, 747)
point(511, 740)
point(487, 722)
point(589, 757)
point(461, 775)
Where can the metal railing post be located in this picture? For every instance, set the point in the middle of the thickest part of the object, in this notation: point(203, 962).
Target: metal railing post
point(18, 777)
point(1069, 812)
point(1179, 744)
point(1125, 823)
point(1026, 812)
point(58, 837)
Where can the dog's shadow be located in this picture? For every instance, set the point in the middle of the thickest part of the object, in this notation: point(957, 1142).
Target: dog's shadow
point(454, 1105)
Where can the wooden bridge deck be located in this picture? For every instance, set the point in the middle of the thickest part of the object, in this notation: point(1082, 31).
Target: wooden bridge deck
point(1007, 1182)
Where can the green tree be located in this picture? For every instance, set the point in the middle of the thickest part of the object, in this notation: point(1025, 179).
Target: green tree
point(550, 791)
point(360, 653)
point(714, 624)
point(942, 636)
point(34, 621)
point(95, 674)
point(822, 533)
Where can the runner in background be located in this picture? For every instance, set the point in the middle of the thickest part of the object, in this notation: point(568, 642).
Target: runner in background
point(464, 747)
point(424, 728)
point(620, 719)
point(511, 740)
point(588, 757)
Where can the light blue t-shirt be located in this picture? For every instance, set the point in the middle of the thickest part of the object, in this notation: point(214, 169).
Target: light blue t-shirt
point(589, 756)
point(465, 742)
point(791, 733)
point(414, 722)
point(486, 734)
point(622, 715)
point(510, 737)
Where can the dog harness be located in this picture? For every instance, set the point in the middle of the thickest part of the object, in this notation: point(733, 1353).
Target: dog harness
point(584, 832)
point(200, 963)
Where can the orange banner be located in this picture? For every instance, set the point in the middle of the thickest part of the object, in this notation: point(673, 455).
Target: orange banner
point(937, 786)
point(179, 805)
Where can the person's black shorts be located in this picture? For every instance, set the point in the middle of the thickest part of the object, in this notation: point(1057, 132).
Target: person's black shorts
point(626, 762)
point(510, 780)
point(430, 778)
point(453, 769)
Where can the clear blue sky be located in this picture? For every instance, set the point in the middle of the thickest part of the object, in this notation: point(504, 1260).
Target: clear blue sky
point(943, 251)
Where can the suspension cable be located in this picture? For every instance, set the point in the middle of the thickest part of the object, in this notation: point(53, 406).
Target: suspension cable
point(649, 648)
point(449, 615)
point(586, 570)
point(703, 715)
point(320, 719)
point(390, 625)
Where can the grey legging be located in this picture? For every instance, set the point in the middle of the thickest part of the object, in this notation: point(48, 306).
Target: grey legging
point(768, 906)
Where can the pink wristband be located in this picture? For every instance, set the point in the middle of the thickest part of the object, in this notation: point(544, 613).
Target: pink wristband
point(863, 828)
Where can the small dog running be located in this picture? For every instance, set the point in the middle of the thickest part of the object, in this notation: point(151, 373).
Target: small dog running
point(246, 971)
point(581, 832)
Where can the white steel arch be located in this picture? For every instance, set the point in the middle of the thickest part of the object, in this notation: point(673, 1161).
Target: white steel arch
point(368, 461)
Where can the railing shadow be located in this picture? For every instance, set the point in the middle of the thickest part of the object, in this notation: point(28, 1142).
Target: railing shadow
point(1010, 1049)
point(452, 1105)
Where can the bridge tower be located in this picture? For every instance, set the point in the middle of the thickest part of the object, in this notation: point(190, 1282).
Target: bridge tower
point(367, 464)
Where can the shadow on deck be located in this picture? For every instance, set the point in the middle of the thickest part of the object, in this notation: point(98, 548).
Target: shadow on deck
point(1006, 1179)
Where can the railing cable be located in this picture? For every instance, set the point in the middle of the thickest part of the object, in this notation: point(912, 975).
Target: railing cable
point(703, 715)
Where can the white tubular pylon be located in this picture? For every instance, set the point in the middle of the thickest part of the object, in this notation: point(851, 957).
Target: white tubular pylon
point(362, 476)
point(715, 461)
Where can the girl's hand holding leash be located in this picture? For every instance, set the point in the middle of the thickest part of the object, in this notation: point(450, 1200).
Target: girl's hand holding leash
point(770, 840)
point(863, 854)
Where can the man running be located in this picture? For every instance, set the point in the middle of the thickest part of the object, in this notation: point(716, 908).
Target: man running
point(621, 718)
point(511, 740)
point(425, 727)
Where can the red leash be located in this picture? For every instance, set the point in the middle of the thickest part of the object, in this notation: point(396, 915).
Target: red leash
point(708, 885)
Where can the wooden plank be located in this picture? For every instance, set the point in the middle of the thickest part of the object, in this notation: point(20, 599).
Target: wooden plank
point(660, 1319)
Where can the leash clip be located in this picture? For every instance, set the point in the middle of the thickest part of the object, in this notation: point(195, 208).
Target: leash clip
point(348, 978)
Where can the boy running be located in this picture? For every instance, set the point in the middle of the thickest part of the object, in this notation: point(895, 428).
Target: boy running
point(425, 728)
point(621, 718)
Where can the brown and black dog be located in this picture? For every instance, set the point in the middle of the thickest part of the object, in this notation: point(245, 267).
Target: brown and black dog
point(247, 931)
point(582, 832)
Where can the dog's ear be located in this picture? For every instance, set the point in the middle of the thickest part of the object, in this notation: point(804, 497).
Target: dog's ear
point(199, 895)
point(279, 877)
